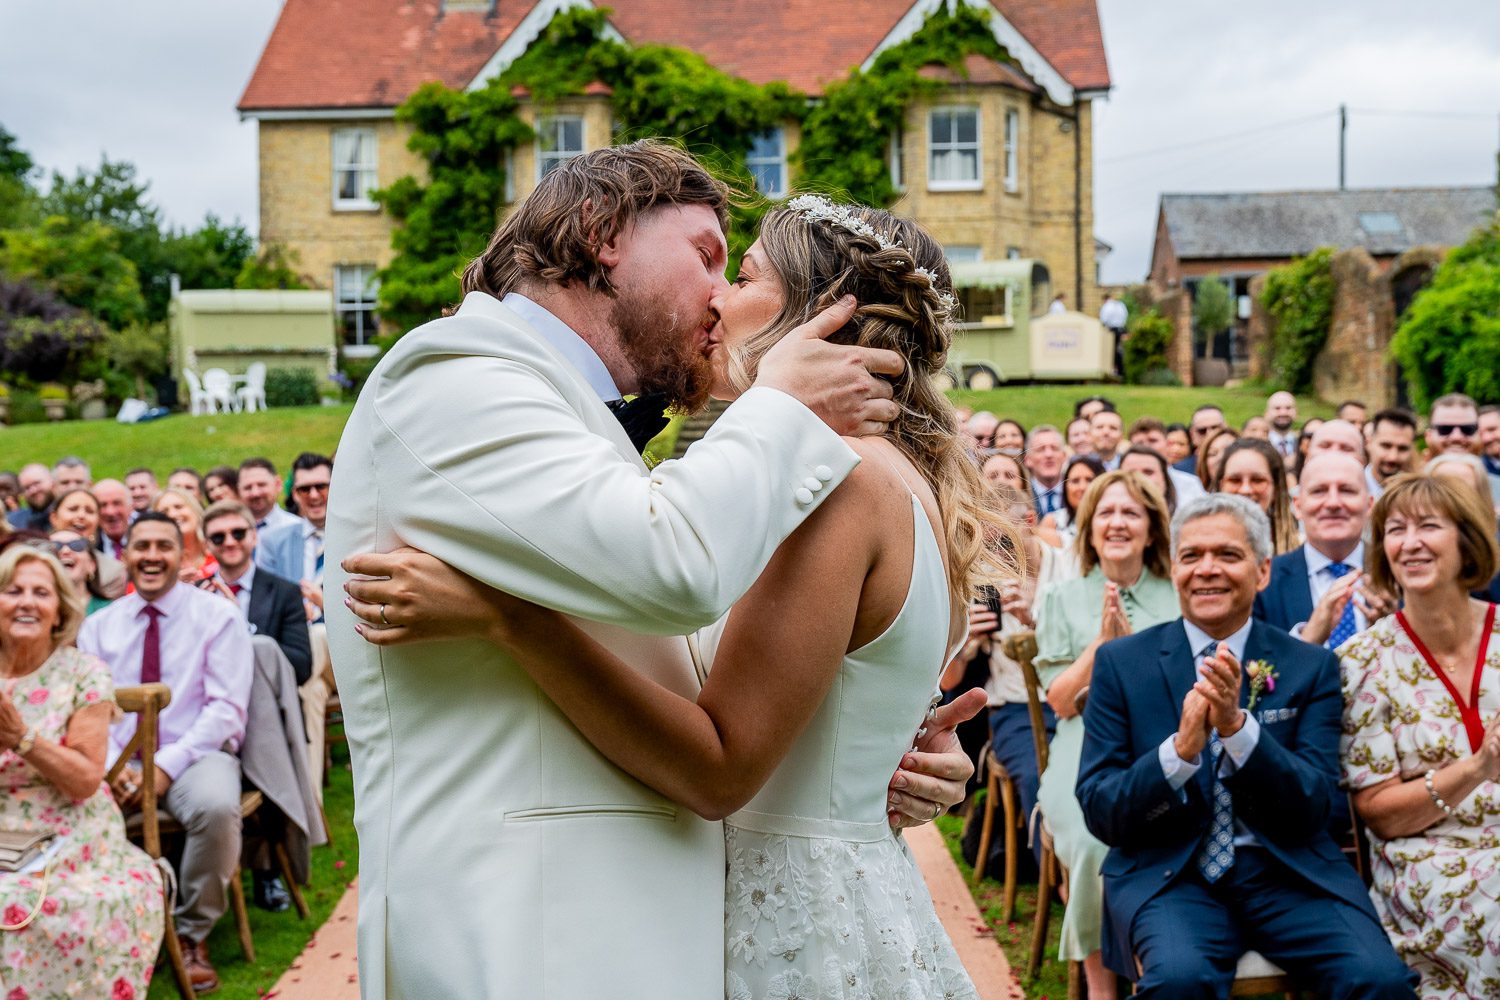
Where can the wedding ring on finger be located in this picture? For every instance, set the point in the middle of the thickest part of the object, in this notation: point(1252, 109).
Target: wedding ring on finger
point(383, 619)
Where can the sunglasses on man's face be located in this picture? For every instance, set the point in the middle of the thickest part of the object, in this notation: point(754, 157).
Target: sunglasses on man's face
point(306, 489)
point(1448, 430)
point(218, 537)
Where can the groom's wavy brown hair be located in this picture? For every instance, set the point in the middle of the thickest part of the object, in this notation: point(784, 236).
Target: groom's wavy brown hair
point(554, 235)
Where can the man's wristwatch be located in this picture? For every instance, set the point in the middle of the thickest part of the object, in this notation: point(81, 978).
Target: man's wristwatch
point(28, 741)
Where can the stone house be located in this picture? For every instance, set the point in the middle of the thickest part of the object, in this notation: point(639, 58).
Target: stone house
point(1000, 165)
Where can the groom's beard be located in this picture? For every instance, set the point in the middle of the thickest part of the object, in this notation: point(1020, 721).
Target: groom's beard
point(662, 347)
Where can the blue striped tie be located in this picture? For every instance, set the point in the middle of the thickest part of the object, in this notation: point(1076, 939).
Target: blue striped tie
point(1216, 856)
point(1346, 625)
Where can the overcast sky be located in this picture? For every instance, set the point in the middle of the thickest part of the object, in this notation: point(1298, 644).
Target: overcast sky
point(155, 82)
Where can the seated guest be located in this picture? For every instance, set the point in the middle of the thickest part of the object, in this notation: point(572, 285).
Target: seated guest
point(1152, 433)
point(114, 516)
point(37, 490)
point(1392, 446)
point(1179, 443)
point(1059, 528)
point(1251, 468)
point(1465, 469)
point(259, 488)
point(196, 564)
point(1105, 431)
point(188, 481)
point(295, 551)
point(1318, 591)
point(1207, 421)
point(93, 920)
point(196, 644)
point(1005, 471)
point(1281, 424)
point(1337, 435)
point(1214, 792)
point(77, 558)
point(1209, 454)
point(1010, 437)
point(222, 482)
point(1421, 743)
point(1080, 436)
point(1045, 458)
point(77, 510)
point(1151, 465)
point(1122, 551)
point(142, 486)
point(1256, 427)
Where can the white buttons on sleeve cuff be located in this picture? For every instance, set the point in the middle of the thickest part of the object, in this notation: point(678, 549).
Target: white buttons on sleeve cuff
point(804, 495)
point(824, 473)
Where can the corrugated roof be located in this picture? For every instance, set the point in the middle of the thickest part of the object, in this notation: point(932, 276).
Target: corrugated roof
point(1290, 223)
point(337, 54)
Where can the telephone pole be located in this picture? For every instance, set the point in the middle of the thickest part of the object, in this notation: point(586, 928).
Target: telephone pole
point(1343, 140)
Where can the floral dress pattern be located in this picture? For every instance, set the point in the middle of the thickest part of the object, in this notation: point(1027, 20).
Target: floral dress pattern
point(1438, 892)
point(102, 919)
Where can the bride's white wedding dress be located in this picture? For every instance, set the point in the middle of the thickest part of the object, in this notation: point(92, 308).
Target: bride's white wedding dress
point(823, 901)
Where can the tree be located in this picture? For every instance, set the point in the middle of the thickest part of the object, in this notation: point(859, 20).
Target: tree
point(211, 256)
point(1213, 309)
point(275, 267)
point(18, 199)
point(1299, 299)
point(82, 261)
point(42, 338)
point(1449, 340)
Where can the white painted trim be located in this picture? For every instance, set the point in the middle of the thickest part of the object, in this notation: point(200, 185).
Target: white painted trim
point(528, 31)
point(977, 184)
point(318, 114)
point(1024, 53)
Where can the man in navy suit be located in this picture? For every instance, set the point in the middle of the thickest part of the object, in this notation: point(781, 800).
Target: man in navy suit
point(1213, 792)
point(1317, 591)
point(1207, 421)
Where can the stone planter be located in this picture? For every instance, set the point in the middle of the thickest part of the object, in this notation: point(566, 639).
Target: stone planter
point(93, 409)
point(1210, 371)
point(56, 409)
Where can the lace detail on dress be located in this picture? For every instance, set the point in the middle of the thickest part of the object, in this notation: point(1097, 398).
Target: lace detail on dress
point(820, 919)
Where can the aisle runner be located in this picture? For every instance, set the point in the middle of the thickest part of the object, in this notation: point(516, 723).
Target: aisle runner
point(326, 970)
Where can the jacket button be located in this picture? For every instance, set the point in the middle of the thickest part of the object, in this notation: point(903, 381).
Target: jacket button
point(1167, 873)
point(813, 484)
point(804, 495)
point(824, 473)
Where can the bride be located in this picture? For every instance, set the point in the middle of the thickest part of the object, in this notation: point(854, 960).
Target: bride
point(823, 670)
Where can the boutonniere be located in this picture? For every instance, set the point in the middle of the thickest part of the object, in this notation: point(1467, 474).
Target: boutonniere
point(1262, 679)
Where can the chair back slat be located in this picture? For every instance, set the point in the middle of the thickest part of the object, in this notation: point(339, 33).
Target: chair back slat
point(147, 701)
point(1021, 648)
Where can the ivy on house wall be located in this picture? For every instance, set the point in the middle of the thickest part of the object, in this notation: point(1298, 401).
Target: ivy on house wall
point(1449, 339)
point(656, 90)
point(1299, 299)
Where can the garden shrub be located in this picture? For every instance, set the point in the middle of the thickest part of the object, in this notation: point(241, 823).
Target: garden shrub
point(1299, 299)
point(1449, 340)
point(1145, 350)
point(291, 387)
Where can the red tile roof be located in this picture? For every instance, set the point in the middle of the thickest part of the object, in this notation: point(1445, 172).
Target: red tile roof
point(330, 54)
point(979, 69)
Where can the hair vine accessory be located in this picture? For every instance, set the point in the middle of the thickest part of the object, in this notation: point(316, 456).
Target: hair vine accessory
point(816, 208)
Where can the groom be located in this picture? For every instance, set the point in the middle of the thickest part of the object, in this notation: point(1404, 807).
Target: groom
point(501, 855)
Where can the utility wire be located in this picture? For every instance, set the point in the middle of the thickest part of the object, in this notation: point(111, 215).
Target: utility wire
point(1219, 138)
point(1382, 113)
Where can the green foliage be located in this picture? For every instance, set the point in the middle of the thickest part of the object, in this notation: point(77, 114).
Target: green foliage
point(846, 136)
point(82, 261)
point(138, 353)
point(1145, 349)
point(19, 204)
point(275, 267)
point(52, 391)
point(210, 256)
point(291, 387)
point(1213, 308)
point(1299, 299)
point(1449, 340)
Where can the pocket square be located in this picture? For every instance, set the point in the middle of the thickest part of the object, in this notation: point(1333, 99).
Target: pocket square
point(1276, 715)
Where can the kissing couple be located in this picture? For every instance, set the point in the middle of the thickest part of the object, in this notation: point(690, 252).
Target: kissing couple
point(621, 732)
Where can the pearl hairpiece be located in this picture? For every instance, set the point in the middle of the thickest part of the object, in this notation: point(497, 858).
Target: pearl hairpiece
point(816, 208)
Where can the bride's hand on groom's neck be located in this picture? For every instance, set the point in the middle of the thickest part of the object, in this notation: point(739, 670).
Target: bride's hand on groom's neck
point(838, 382)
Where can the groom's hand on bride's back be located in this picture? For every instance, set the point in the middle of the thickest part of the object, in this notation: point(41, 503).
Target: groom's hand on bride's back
point(838, 382)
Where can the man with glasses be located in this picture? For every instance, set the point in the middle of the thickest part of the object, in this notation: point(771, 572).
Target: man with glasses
point(1207, 421)
point(1453, 426)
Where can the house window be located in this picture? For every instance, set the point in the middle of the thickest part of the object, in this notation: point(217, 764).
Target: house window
point(355, 287)
point(508, 163)
point(897, 156)
point(1012, 146)
point(953, 149)
point(1012, 253)
point(558, 138)
point(961, 253)
point(767, 162)
point(353, 168)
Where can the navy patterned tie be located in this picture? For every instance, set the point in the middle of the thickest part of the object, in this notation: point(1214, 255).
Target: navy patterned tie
point(1216, 856)
point(1345, 626)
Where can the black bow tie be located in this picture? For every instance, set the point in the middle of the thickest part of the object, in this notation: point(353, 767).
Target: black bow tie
point(643, 417)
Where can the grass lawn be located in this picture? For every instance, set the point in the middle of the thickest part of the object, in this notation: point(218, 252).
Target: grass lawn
point(280, 937)
point(1053, 404)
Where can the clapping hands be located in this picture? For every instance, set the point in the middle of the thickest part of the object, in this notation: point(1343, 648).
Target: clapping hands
point(1113, 623)
point(1214, 704)
point(1372, 603)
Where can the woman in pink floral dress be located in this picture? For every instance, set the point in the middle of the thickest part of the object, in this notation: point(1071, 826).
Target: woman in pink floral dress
point(1421, 746)
point(90, 922)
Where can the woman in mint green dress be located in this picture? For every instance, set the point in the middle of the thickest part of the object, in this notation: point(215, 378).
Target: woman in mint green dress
point(1124, 553)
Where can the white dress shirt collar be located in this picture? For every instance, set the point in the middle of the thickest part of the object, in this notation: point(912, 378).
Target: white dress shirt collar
point(565, 341)
point(1317, 562)
point(1197, 639)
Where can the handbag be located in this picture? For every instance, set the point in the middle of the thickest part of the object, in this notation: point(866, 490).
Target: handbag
point(19, 849)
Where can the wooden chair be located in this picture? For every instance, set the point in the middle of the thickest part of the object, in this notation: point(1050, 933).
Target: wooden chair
point(999, 785)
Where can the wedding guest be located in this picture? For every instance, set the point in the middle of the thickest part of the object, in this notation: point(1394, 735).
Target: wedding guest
point(1353, 411)
point(1489, 437)
point(221, 483)
point(1086, 407)
point(1010, 436)
point(1453, 427)
point(1045, 458)
point(1123, 555)
point(93, 920)
point(1318, 590)
point(1210, 453)
point(78, 510)
point(195, 563)
point(37, 489)
point(114, 515)
point(197, 644)
point(1421, 735)
point(259, 488)
point(1463, 468)
point(1105, 431)
point(294, 551)
point(1059, 528)
point(1150, 464)
point(1304, 443)
point(1080, 437)
point(1281, 416)
point(1337, 435)
point(1214, 792)
point(1256, 427)
point(1392, 447)
point(10, 495)
point(1004, 471)
point(1207, 421)
point(143, 487)
point(71, 473)
point(1251, 468)
point(1152, 433)
point(1179, 445)
point(77, 557)
point(188, 481)
point(980, 429)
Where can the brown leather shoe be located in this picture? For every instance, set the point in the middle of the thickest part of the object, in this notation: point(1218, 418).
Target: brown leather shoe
point(201, 974)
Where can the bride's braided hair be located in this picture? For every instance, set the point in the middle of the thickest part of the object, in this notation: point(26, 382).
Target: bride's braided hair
point(820, 251)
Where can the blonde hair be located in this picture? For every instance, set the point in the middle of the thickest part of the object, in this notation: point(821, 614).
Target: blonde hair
point(70, 606)
point(1158, 555)
point(192, 503)
point(1422, 493)
point(901, 309)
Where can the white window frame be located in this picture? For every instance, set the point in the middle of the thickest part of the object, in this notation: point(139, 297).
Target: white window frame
point(778, 161)
point(508, 163)
point(963, 253)
point(367, 301)
point(1012, 150)
point(547, 158)
point(976, 183)
point(364, 167)
point(897, 157)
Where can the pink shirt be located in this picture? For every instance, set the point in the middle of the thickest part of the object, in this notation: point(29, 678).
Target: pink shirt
point(206, 659)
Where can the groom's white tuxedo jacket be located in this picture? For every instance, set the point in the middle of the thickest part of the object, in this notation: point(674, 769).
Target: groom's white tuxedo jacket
point(500, 854)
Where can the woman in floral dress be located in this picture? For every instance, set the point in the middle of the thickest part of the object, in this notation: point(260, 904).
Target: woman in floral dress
point(1421, 746)
point(89, 923)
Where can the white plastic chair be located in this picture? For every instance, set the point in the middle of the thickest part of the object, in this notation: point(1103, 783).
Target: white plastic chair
point(252, 395)
point(201, 401)
point(220, 389)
